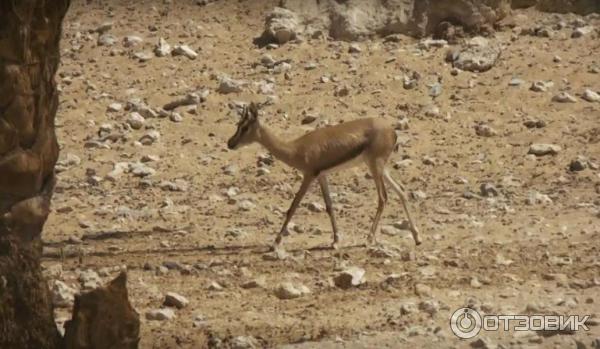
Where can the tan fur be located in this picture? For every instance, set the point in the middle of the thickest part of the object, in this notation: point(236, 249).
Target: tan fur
point(326, 150)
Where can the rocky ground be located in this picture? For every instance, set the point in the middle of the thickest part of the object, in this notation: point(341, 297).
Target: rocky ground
point(502, 166)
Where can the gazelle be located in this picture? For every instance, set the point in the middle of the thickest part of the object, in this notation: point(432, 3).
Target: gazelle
point(326, 150)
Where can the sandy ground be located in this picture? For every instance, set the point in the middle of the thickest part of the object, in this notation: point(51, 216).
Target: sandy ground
point(499, 254)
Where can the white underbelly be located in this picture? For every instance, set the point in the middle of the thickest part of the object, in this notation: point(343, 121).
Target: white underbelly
point(354, 162)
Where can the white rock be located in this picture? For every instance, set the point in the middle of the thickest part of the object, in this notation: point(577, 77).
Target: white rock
point(478, 58)
point(185, 51)
point(540, 149)
point(591, 96)
point(564, 97)
point(114, 107)
point(535, 198)
point(582, 31)
point(160, 314)
point(162, 48)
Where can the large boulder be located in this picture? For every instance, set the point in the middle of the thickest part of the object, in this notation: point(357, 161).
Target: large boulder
point(352, 20)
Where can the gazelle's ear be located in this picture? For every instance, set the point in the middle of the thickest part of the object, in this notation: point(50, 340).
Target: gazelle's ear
point(253, 109)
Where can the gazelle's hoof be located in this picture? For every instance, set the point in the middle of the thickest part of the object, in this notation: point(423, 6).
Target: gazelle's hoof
point(415, 234)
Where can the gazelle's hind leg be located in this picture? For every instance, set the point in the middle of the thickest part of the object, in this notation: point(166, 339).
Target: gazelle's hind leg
point(329, 206)
point(377, 167)
point(399, 189)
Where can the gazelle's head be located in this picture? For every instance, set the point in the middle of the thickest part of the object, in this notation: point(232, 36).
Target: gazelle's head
point(247, 127)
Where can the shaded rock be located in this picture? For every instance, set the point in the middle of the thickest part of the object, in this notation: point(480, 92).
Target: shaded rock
point(350, 277)
point(173, 299)
point(106, 40)
point(132, 40)
point(281, 26)
point(136, 121)
point(63, 296)
point(579, 164)
point(288, 290)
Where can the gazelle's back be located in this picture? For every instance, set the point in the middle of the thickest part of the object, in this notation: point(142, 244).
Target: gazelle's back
point(332, 146)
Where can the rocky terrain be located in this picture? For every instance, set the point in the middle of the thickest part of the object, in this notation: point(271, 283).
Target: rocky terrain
point(499, 149)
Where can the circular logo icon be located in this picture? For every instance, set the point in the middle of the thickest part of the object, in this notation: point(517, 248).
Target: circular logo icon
point(465, 323)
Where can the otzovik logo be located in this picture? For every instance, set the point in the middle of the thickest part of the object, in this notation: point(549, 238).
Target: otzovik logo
point(467, 323)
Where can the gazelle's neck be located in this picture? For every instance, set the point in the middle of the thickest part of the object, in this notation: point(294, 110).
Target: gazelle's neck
point(281, 149)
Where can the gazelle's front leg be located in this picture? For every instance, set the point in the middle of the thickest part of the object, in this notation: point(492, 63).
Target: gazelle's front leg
point(329, 206)
point(290, 213)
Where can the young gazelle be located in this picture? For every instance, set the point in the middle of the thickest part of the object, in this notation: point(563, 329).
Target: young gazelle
point(325, 150)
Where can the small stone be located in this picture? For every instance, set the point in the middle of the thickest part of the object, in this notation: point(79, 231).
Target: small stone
point(150, 137)
point(430, 307)
point(103, 28)
point(287, 290)
point(162, 48)
point(132, 40)
point(246, 205)
point(541, 149)
point(564, 97)
point(315, 207)
point(229, 85)
point(535, 123)
point(136, 121)
point(516, 82)
point(541, 86)
point(184, 50)
point(244, 342)
point(422, 290)
point(579, 164)
point(488, 190)
point(160, 314)
point(350, 277)
point(309, 118)
point(582, 31)
point(214, 286)
point(255, 283)
point(173, 299)
point(354, 48)
point(106, 40)
point(143, 56)
point(590, 96)
point(535, 198)
point(139, 169)
point(114, 107)
point(482, 343)
point(485, 131)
